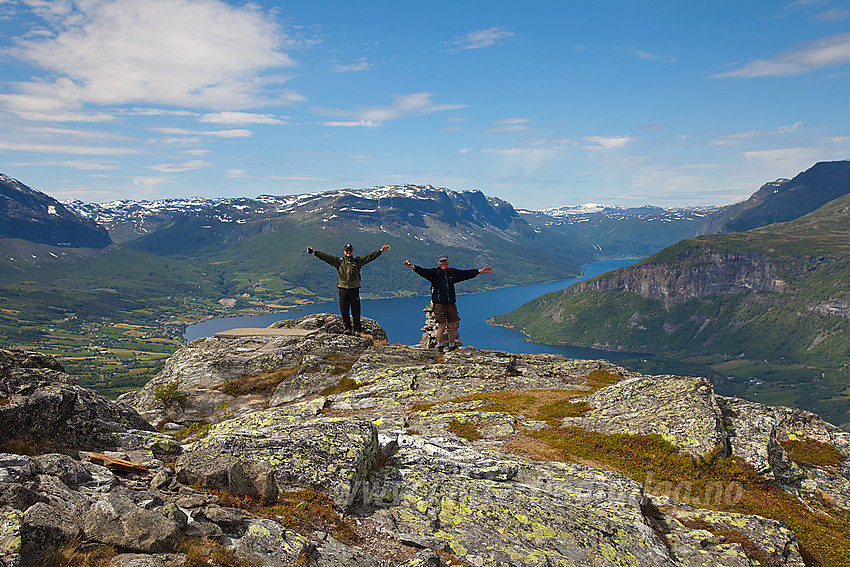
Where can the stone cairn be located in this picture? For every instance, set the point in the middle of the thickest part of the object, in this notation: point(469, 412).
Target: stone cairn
point(429, 331)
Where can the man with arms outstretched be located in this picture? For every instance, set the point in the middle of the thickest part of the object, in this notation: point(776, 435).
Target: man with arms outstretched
point(443, 280)
point(348, 283)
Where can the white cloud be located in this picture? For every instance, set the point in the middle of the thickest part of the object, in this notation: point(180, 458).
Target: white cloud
point(66, 149)
point(526, 160)
point(148, 183)
point(738, 138)
point(607, 142)
point(646, 55)
point(356, 66)
point(74, 164)
point(240, 118)
point(509, 125)
point(88, 165)
point(348, 123)
point(826, 52)
point(193, 53)
point(406, 105)
point(242, 174)
point(180, 167)
point(414, 104)
point(834, 15)
point(235, 133)
point(481, 38)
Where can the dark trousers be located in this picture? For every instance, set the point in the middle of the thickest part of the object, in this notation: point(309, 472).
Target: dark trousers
point(349, 299)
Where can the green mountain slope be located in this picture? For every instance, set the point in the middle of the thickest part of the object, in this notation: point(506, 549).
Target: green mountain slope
point(764, 313)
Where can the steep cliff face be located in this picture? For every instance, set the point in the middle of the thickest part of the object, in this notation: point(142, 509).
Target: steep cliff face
point(696, 273)
point(325, 449)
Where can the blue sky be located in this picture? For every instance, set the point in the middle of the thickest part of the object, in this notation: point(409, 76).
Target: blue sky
point(542, 103)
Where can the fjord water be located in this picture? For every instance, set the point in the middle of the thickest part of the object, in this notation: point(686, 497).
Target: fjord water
point(402, 318)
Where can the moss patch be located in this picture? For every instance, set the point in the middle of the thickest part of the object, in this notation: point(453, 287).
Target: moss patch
point(464, 429)
point(813, 453)
point(262, 384)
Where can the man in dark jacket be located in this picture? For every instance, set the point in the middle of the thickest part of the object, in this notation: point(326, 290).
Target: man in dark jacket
point(348, 283)
point(443, 280)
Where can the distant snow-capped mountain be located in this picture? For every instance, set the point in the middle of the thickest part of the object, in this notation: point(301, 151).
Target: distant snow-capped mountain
point(591, 211)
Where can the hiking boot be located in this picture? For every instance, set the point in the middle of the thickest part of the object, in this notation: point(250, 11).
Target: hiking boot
point(348, 331)
point(452, 347)
point(441, 349)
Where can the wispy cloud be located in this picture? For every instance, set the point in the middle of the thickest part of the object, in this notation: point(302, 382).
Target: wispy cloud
point(646, 55)
point(834, 15)
point(180, 167)
point(826, 52)
point(607, 142)
point(353, 123)
point(403, 105)
point(240, 118)
point(206, 54)
point(242, 174)
point(480, 38)
point(75, 164)
point(66, 149)
point(737, 138)
point(509, 125)
point(356, 66)
point(236, 133)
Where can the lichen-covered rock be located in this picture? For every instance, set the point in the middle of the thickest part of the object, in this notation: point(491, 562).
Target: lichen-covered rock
point(265, 452)
point(756, 434)
point(113, 519)
point(11, 525)
point(329, 552)
point(683, 410)
point(706, 537)
point(270, 544)
point(44, 407)
point(204, 366)
point(491, 509)
point(46, 527)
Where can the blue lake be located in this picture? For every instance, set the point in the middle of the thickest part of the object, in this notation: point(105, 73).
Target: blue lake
point(402, 318)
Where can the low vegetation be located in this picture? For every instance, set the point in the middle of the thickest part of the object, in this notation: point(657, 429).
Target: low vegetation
point(72, 554)
point(262, 384)
point(170, 392)
point(303, 511)
point(544, 405)
point(812, 452)
point(203, 552)
point(464, 429)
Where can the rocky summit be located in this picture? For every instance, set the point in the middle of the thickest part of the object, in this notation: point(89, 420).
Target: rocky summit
point(307, 446)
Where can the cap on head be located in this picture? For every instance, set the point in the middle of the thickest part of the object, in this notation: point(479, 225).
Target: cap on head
point(442, 258)
point(348, 247)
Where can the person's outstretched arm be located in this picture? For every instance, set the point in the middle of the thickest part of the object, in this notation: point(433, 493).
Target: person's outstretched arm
point(363, 260)
point(332, 260)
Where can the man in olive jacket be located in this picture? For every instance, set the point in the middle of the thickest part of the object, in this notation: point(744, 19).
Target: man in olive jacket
point(348, 283)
